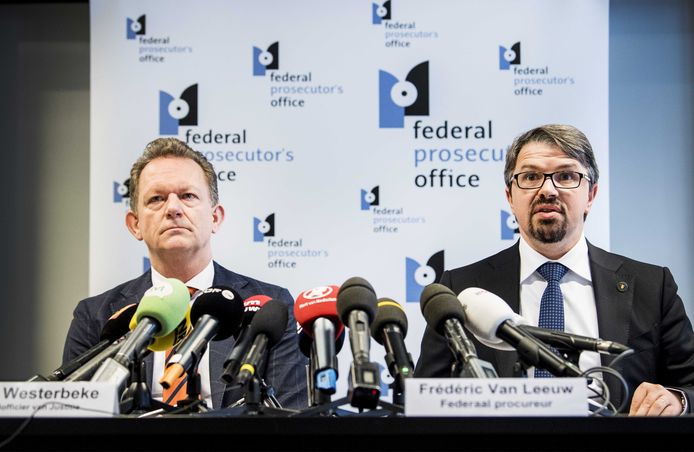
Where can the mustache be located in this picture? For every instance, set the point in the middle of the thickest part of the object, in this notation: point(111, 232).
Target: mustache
point(545, 201)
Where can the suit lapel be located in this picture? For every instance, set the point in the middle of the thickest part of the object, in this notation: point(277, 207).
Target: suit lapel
point(503, 280)
point(614, 295)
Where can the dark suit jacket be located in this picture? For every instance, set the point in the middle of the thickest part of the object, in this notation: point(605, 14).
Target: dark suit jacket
point(637, 305)
point(285, 370)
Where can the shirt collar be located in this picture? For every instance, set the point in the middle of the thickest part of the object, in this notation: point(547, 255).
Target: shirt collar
point(201, 281)
point(576, 259)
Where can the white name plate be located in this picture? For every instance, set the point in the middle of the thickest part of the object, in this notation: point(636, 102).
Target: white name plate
point(496, 397)
point(58, 399)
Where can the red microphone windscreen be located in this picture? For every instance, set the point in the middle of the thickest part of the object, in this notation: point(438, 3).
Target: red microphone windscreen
point(315, 303)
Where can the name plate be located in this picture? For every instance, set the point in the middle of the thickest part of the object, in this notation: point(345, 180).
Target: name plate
point(58, 399)
point(496, 397)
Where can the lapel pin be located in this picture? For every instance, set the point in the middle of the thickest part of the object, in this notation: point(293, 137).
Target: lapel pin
point(622, 286)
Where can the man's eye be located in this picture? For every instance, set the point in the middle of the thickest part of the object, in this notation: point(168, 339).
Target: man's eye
point(188, 196)
point(531, 176)
point(154, 199)
point(566, 176)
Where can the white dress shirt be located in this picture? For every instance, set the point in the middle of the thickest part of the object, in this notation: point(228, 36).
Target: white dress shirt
point(580, 313)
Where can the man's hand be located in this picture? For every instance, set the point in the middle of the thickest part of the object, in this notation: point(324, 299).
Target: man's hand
point(654, 400)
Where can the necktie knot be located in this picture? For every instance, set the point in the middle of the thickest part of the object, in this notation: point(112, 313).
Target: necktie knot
point(552, 271)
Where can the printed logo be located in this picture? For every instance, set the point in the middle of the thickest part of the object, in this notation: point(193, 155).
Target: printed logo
point(181, 111)
point(134, 28)
point(508, 57)
point(121, 192)
point(398, 99)
point(369, 198)
point(418, 276)
point(509, 226)
point(527, 80)
point(264, 228)
point(266, 60)
point(380, 13)
point(160, 290)
point(318, 292)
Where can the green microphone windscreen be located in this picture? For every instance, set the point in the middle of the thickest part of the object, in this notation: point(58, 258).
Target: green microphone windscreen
point(167, 303)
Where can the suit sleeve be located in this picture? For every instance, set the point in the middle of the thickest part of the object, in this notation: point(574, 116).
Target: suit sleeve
point(435, 358)
point(677, 342)
point(82, 333)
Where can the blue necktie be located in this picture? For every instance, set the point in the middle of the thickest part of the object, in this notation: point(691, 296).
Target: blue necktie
point(552, 303)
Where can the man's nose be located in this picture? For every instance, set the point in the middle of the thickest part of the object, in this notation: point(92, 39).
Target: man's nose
point(547, 188)
point(173, 206)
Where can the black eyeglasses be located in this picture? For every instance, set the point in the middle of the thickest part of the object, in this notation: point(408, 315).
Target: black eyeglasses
point(529, 180)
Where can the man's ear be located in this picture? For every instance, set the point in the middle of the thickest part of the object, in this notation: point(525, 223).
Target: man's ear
point(217, 217)
point(133, 224)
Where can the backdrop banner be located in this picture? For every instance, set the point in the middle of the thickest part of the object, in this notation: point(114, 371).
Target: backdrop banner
point(350, 138)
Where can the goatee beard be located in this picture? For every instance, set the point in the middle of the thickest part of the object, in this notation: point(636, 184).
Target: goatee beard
point(548, 231)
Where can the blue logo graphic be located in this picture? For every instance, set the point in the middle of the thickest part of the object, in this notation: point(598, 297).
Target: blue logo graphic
point(264, 228)
point(380, 13)
point(507, 57)
point(266, 60)
point(121, 191)
point(182, 111)
point(399, 99)
point(134, 28)
point(418, 276)
point(509, 226)
point(146, 264)
point(369, 198)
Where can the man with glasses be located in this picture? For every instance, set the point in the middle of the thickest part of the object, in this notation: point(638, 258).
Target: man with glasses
point(556, 279)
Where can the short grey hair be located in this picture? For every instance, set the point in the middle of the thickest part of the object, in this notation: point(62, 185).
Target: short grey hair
point(567, 138)
point(170, 147)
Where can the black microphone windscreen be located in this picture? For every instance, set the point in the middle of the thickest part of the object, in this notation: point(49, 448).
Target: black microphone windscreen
point(224, 305)
point(439, 304)
point(389, 312)
point(271, 320)
point(118, 324)
point(305, 343)
point(431, 292)
point(356, 294)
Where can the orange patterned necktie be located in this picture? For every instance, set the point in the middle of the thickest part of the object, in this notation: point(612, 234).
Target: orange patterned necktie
point(178, 390)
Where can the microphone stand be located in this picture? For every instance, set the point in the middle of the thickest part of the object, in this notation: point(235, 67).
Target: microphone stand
point(193, 403)
point(137, 398)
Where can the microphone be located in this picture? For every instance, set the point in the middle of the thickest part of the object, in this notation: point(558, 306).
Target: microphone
point(389, 329)
point(114, 328)
point(158, 344)
point(306, 342)
point(266, 329)
point(357, 304)
point(86, 371)
point(173, 338)
point(316, 396)
point(316, 311)
point(251, 305)
point(490, 318)
point(445, 315)
point(562, 339)
point(216, 313)
point(160, 311)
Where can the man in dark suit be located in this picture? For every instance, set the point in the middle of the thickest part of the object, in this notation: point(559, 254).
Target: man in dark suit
point(602, 294)
point(174, 209)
